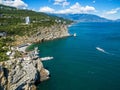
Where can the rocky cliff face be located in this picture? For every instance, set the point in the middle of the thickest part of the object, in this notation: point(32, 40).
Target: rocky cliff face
point(41, 34)
point(3, 79)
point(22, 74)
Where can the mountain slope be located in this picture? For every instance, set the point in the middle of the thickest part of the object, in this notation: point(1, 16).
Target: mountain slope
point(84, 17)
point(12, 20)
point(118, 20)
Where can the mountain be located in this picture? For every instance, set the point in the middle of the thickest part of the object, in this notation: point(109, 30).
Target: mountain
point(84, 17)
point(118, 20)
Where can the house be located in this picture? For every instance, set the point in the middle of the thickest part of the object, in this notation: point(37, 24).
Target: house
point(3, 34)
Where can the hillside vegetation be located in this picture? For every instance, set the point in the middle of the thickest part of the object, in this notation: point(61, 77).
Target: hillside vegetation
point(12, 21)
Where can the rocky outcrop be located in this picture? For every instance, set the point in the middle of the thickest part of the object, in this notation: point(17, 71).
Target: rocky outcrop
point(41, 34)
point(56, 31)
point(3, 80)
point(22, 74)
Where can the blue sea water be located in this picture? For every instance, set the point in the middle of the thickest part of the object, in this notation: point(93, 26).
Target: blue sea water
point(78, 65)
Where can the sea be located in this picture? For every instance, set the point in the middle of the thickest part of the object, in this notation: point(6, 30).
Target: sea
point(89, 61)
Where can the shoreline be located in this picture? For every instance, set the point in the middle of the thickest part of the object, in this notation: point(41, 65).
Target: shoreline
point(26, 62)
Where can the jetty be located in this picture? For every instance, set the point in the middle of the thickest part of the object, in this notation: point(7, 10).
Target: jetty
point(46, 58)
point(32, 55)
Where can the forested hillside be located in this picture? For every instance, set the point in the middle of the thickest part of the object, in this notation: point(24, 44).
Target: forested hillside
point(12, 22)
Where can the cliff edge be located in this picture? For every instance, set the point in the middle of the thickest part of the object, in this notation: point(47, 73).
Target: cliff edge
point(20, 74)
point(23, 74)
point(41, 34)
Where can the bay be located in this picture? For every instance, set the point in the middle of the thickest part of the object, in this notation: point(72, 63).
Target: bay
point(78, 64)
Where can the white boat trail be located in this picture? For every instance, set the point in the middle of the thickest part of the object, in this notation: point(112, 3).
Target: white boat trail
point(102, 50)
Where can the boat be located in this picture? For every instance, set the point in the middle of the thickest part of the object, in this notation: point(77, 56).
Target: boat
point(100, 49)
point(74, 35)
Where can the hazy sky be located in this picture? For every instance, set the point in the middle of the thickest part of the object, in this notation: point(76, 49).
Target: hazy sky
point(104, 8)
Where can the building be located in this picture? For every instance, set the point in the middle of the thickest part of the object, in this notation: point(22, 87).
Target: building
point(3, 34)
point(27, 20)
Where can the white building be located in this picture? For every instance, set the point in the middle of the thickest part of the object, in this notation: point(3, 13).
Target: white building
point(27, 20)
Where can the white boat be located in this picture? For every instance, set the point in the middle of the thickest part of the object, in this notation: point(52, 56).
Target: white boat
point(100, 49)
point(69, 25)
point(74, 35)
point(46, 58)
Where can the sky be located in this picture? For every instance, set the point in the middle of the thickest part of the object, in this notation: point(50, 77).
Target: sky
point(105, 8)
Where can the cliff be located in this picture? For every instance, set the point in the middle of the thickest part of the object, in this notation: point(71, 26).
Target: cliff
point(21, 74)
point(41, 34)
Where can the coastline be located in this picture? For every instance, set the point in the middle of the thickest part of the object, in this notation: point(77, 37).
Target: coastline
point(17, 66)
point(44, 34)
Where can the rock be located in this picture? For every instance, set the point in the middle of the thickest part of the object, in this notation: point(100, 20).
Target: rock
point(30, 87)
point(44, 34)
point(3, 80)
point(24, 75)
point(44, 74)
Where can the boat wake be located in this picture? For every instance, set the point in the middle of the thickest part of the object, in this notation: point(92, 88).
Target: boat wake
point(102, 50)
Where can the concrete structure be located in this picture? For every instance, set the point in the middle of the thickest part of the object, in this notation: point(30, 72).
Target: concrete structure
point(27, 20)
point(34, 54)
point(22, 47)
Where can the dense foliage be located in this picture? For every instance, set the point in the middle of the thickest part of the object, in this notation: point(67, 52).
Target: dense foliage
point(3, 49)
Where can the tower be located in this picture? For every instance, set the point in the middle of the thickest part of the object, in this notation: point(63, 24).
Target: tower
point(27, 20)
